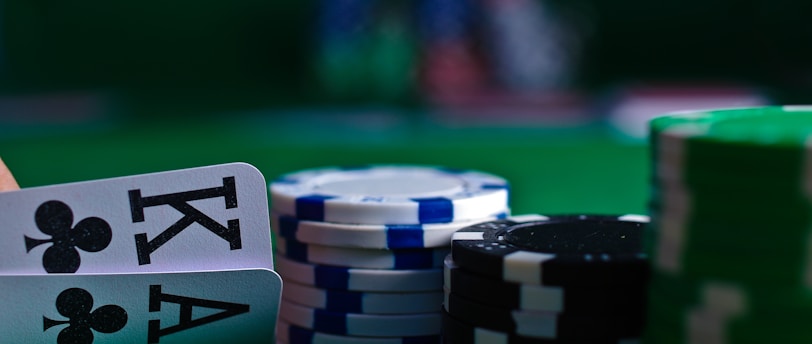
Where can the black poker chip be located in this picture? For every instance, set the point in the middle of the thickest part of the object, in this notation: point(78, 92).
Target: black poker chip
point(574, 300)
point(456, 331)
point(544, 325)
point(565, 250)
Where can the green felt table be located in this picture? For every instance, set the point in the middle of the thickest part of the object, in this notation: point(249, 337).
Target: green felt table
point(584, 170)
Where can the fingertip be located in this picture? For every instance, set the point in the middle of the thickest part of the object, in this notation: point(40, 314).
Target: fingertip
point(7, 181)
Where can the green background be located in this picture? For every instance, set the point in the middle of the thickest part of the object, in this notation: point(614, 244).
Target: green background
point(189, 83)
point(260, 46)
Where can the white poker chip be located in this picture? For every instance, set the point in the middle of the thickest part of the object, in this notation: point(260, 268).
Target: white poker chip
point(293, 334)
point(341, 278)
point(362, 302)
point(352, 324)
point(401, 259)
point(371, 236)
point(393, 194)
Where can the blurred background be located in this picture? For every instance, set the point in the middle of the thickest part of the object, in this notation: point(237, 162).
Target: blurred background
point(553, 95)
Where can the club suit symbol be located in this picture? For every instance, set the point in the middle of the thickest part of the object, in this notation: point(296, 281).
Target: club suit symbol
point(76, 304)
point(55, 218)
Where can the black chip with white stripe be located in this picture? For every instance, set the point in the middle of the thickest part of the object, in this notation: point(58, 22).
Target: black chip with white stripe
point(456, 331)
point(601, 300)
point(563, 250)
point(545, 325)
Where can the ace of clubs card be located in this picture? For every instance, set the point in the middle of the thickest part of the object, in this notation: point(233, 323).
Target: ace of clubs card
point(237, 306)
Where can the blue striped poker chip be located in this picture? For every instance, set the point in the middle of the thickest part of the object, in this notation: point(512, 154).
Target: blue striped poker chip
point(389, 195)
point(293, 334)
point(400, 259)
point(362, 302)
point(371, 236)
point(342, 278)
point(352, 324)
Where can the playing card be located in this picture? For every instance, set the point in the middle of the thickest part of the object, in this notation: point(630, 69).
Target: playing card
point(235, 306)
point(207, 218)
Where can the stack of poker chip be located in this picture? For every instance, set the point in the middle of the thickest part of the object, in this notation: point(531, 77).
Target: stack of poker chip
point(547, 279)
point(361, 250)
point(731, 223)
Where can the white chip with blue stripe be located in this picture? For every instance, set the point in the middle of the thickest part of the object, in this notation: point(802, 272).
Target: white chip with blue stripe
point(342, 278)
point(352, 324)
point(363, 302)
point(389, 195)
point(292, 334)
point(400, 259)
point(371, 236)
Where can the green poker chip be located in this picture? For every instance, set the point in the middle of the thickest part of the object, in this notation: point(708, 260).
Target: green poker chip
point(762, 149)
point(744, 230)
point(740, 207)
point(767, 297)
point(774, 127)
point(750, 311)
point(777, 180)
point(698, 322)
point(720, 266)
point(725, 239)
point(730, 236)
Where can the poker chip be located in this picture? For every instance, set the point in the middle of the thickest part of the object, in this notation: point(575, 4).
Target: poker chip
point(399, 259)
point(762, 128)
point(293, 334)
point(670, 169)
point(389, 195)
point(498, 293)
point(730, 226)
point(697, 323)
point(456, 331)
point(687, 310)
point(341, 278)
point(361, 249)
point(540, 324)
point(714, 204)
point(547, 279)
point(352, 324)
point(362, 302)
point(558, 250)
point(369, 235)
point(713, 237)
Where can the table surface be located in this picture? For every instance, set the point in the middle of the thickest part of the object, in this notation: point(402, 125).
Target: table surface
point(566, 170)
